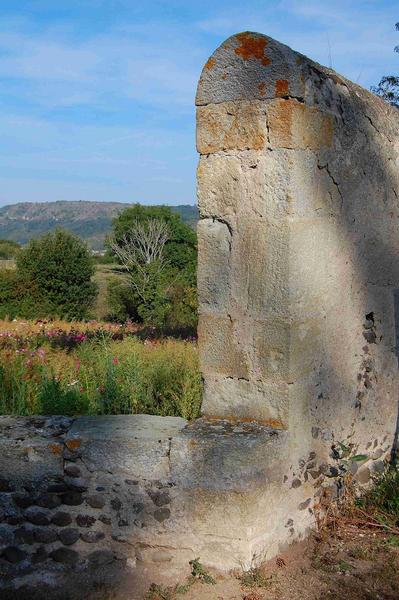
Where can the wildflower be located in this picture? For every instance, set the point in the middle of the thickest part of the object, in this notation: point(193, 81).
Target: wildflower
point(29, 362)
point(77, 364)
point(101, 389)
point(115, 360)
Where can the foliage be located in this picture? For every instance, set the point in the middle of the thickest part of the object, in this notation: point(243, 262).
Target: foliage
point(95, 369)
point(180, 249)
point(18, 296)
point(388, 88)
point(8, 249)
point(198, 572)
point(61, 267)
point(162, 287)
point(384, 495)
point(255, 577)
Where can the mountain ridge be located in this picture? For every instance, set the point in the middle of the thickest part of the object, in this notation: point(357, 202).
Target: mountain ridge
point(89, 219)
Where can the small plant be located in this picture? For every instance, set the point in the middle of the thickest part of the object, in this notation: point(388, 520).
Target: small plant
point(385, 493)
point(254, 577)
point(360, 553)
point(158, 592)
point(393, 541)
point(198, 572)
point(344, 567)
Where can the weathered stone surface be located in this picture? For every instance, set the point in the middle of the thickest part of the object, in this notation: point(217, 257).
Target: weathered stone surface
point(66, 556)
point(14, 554)
point(72, 498)
point(48, 501)
point(85, 520)
point(68, 536)
point(161, 514)
point(118, 444)
point(61, 519)
point(231, 126)
point(45, 535)
point(298, 217)
point(96, 501)
point(72, 470)
point(37, 516)
point(99, 558)
point(92, 537)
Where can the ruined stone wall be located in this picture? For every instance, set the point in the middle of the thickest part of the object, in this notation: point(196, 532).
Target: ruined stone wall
point(299, 309)
point(298, 185)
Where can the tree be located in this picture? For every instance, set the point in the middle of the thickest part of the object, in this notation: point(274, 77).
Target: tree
point(158, 254)
point(388, 88)
point(141, 253)
point(60, 266)
point(181, 246)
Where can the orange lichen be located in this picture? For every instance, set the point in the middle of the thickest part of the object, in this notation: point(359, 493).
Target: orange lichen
point(210, 63)
point(252, 47)
point(281, 88)
point(262, 87)
point(56, 449)
point(274, 423)
point(73, 444)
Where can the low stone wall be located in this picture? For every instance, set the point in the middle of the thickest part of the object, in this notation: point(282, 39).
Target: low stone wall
point(117, 502)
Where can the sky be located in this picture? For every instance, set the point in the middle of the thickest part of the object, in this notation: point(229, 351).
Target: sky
point(97, 96)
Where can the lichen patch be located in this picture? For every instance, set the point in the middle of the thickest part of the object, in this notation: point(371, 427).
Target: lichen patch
point(252, 47)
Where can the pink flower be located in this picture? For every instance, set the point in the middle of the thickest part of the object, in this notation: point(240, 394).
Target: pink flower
point(77, 365)
point(115, 360)
point(28, 362)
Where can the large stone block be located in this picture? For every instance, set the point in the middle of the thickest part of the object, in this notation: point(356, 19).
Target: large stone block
point(248, 184)
point(292, 124)
point(231, 126)
point(252, 400)
point(221, 349)
point(214, 246)
point(259, 259)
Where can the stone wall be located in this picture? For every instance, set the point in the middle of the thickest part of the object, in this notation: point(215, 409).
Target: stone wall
point(298, 185)
point(298, 288)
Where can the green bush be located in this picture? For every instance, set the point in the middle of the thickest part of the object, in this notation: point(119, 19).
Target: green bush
point(19, 297)
point(60, 267)
point(8, 249)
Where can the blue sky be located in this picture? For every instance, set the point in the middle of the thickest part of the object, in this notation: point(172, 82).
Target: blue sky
point(97, 96)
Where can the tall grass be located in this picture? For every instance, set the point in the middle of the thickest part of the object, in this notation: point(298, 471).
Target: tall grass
point(101, 376)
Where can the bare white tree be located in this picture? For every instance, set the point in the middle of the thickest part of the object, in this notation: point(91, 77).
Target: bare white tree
point(141, 253)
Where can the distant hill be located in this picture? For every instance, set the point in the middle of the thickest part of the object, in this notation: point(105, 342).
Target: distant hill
point(89, 220)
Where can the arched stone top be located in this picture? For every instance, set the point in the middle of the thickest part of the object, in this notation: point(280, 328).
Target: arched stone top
point(251, 66)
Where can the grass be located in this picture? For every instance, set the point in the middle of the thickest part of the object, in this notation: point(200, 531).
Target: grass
point(102, 276)
point(95, 368)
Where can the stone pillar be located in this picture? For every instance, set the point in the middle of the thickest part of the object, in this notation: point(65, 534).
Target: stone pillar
point(298, 245)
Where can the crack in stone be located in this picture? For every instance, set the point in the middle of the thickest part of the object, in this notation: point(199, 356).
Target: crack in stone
point(327, 169)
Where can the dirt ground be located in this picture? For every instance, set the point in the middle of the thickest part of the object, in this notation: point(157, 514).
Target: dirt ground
point(347, 564)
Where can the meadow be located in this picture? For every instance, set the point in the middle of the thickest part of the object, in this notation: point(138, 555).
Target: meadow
point(74, 368)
